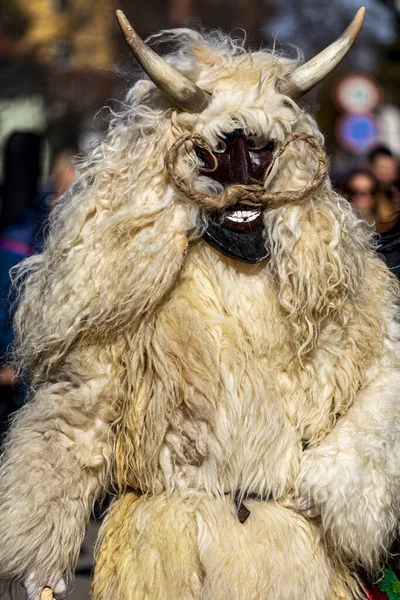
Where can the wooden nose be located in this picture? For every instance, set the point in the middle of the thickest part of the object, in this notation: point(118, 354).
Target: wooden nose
point(240, 164)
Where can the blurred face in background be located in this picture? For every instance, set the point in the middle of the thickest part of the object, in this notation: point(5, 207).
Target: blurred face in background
point(385, 169)
point(362, 193)
point(396, 191)
point(63, 173)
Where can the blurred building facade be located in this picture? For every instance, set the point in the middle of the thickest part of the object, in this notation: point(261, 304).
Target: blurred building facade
point(62, 60)
point(229, 15)
point(56, 60)
point(70, 33)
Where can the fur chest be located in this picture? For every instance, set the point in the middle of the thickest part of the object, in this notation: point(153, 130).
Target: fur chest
point(223, 401)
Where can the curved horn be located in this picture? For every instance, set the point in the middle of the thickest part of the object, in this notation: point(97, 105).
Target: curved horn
point(181, 91)
point(312, 72)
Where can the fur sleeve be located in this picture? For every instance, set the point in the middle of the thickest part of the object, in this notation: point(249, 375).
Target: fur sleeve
point(54, 466)
point(354, 475)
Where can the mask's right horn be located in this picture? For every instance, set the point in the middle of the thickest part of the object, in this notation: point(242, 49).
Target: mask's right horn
point(182, 92)
point(305, 77)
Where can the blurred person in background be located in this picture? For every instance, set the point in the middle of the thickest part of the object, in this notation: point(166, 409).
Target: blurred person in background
point(63, 174)
point(385, 168)
point(389, 239)
point(20, 218)
point(24, 213)
point(361, 188)
point(21, 175)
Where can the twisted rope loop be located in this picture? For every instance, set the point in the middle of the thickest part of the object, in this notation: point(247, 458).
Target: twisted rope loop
point(254, 195)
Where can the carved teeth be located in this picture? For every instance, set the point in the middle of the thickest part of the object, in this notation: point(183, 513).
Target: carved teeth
point(243, 216)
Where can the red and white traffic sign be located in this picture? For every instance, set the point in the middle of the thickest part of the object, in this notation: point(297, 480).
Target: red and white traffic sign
point(357, 93)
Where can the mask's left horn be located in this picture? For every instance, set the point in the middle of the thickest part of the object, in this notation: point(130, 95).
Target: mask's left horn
point(182, 92)
point(307, 76)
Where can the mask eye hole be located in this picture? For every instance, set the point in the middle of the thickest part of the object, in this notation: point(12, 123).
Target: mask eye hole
point(208, 162)
point(259, 142)
point(220, 147)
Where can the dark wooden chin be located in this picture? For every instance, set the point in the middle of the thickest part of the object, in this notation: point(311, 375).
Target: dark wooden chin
point(244, 245)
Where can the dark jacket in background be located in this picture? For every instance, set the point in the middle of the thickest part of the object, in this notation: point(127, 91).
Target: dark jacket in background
point(389, 248)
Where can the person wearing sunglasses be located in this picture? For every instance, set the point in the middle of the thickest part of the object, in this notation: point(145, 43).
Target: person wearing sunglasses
point(361, 190)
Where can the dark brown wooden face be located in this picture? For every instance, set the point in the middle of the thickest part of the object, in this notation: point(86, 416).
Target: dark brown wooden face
point(241, 159)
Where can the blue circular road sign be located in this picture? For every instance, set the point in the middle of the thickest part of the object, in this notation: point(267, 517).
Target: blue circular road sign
point(357, 133)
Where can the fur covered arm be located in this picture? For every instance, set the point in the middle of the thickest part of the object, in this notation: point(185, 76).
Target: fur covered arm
point(54, 466)
point(354, 475)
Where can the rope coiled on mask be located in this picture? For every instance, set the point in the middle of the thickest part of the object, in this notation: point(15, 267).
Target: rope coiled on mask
point(254, 195)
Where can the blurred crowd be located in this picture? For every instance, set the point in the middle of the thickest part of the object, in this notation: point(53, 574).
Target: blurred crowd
point(374, 191)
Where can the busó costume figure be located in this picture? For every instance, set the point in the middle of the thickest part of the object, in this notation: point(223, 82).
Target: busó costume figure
point(210, 334)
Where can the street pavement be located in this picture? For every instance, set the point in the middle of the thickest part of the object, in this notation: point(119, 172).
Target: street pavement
point(84, 569)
